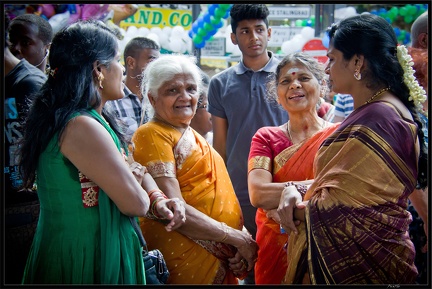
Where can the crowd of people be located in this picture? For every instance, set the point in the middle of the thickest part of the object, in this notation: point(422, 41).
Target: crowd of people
point(246, 177)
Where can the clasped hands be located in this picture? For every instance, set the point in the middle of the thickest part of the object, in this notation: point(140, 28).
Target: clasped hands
point(245, 258)
point(171, 210)
point(290, 212)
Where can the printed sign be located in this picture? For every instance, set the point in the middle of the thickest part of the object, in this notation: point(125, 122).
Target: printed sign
point(280, 34)
point(158, 17)
point(289, 12)
point(215, 47)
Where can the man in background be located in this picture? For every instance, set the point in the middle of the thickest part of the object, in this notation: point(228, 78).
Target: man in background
point(30, 38)
point(21, 206)
point(239, 104)
point(138, 53)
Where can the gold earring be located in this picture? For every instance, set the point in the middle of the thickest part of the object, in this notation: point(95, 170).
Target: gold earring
point(357, 74)
point(100, 78)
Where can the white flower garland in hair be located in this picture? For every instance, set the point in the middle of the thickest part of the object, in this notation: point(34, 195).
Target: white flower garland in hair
point(417, 93)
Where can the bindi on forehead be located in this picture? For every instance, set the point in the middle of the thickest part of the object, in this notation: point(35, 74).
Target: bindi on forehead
point(293, 70)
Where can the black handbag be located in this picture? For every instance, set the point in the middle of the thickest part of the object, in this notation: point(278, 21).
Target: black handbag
point(156, 270)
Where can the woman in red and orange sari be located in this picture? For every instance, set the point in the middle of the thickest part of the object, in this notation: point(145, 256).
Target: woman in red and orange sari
point(284, 154)
point(355, 222)
point(211, 247)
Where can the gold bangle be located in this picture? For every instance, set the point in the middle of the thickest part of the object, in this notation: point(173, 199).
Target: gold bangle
point(225, 229)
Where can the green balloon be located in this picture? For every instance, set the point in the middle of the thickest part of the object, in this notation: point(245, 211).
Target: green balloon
point(394, 11)
point(225, 7)
point(215, 20)
point(208, 27)
point(197, 39)
point(202, 32)
point(298, 22)
point(408, 18)
point(220, 12)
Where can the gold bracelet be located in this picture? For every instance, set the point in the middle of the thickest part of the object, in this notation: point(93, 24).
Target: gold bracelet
point(225, 229)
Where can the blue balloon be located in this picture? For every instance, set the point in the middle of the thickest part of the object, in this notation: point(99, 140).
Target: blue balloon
point(195, 27)
point(382, 11)
point(200, 45)
point(326, 41)
point(191, 33)
point(207, 17)
point(227, 14)
point(211, 9)
point(374, 12)
point(396, 31)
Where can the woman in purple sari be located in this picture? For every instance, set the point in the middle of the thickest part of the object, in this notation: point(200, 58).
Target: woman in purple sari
point(354, 227)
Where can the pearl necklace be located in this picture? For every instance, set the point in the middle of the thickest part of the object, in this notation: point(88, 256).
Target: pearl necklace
point(378, 93)
point(288, 130)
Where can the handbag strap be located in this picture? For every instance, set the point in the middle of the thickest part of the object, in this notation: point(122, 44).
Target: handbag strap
point(139, 233)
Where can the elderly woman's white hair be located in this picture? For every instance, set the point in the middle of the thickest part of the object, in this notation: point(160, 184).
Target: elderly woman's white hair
point(164, 69)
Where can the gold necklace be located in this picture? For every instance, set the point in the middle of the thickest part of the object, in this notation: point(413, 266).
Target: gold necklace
point(378, 93)
point(288, 130)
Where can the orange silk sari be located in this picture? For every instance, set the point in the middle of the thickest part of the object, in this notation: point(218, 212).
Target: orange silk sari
point(205, 185)
point(273, 151)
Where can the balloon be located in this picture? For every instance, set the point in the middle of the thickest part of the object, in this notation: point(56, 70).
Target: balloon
point(132, 31)
point(191, 34)
point(156, 30)
point(153, 36)
point(195, 27)
point(408, 18)
point(326, 41)
point(350, 11)
point(197, 39)
point(307, 33)
point(177, 30)
point(200, 45)
point(202, 32)
point(211, 9)
point(396, 31)
point(226, 15)
point(219, 12)
point(143, 31)
point(403, 11)
point(225, 6)
point(393, 12)
point(298, 22)
point(208, 27)
point(214, 20)
point(175, 45)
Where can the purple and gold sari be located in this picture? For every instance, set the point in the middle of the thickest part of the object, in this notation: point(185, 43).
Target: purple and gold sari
point(356, 229)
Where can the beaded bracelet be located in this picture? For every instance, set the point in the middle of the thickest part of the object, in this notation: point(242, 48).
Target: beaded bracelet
point(302, 189)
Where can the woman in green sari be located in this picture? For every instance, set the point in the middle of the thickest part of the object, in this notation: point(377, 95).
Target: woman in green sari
point(76, 153)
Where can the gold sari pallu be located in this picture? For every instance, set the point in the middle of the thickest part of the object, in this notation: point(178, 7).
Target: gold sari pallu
point(205, 185)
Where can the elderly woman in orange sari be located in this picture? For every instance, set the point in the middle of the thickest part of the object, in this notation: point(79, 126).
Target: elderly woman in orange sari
point(211, 247)
point(284, 154)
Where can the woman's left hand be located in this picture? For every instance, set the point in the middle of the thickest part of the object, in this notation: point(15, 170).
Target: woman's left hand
point(238, 265)
point(289, 200)
point(172, 210)
point(138, 171)
point(273, 214)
